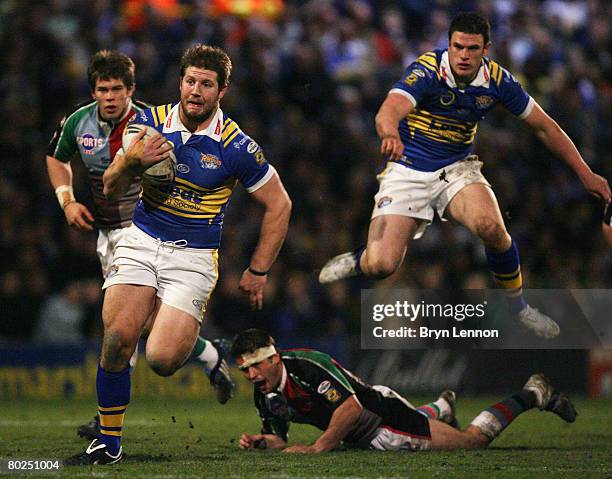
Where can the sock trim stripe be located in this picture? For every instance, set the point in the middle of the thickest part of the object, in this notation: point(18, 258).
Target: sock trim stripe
point(111, 428)
point(429, 410)
point(516, 283)
point(110, 433)
point(505, 410)
point(113, 408)
point(112, 413)
point(507, 276)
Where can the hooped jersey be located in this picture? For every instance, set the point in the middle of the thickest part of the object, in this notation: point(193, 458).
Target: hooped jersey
point(209, 163)
point(314, 385)
point(97, 141)
point(442, 127)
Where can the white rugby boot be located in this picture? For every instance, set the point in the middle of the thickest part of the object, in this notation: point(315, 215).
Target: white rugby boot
point(339, 267)
point(538, 322)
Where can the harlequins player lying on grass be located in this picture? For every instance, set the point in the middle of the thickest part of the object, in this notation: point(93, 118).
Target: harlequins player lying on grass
point(310, 387)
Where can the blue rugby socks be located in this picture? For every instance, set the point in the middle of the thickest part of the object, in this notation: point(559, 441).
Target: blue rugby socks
point(506, 268)
point(113, 399)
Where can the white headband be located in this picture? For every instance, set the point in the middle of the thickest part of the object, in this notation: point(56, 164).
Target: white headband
point(257, 356)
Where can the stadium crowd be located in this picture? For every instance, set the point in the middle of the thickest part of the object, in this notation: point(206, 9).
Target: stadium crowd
point(306, 84)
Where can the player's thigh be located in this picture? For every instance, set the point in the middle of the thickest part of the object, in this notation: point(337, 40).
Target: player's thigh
point(475, 206)
point(186, 278)
point(389, 236)
point(172, 336)
point(126, 309)
point(445, 437)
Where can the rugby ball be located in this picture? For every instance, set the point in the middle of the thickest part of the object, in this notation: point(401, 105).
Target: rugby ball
point(159, 174)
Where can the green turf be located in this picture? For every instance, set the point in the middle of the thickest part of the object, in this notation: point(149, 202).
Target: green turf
point(182, 439)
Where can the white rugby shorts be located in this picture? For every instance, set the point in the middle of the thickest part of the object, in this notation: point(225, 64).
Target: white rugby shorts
point(407, 192)
point(183, 277)
point(106, 245)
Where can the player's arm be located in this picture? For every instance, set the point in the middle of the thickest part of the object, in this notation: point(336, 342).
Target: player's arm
point(558, 142)
point(124, 168)
point(342, 421)
point(60, 175)
point(273, 230)
point(395, 107)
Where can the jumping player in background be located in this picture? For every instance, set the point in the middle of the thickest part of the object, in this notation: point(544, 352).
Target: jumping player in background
point(310, 387)
point(427, 126)
point(166, 264)
point(93, 130)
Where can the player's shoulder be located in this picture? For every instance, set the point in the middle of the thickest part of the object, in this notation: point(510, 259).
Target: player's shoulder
point(307, 357)
point(496, 71)
point(152, 115)
point(232, 137)
point(237, 144)
point(428, 63)
point(79, 111)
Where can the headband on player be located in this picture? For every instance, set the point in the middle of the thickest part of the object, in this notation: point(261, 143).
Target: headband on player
point(244, 361)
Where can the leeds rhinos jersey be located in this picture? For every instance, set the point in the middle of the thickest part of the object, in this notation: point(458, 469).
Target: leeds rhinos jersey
point(314, 385)
point(209, 163)
point(97, 141)
point(442, 127)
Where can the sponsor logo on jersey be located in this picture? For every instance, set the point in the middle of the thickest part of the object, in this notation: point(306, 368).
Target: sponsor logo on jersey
point(447, 98)
point(252, 147)
point(89, 142)
point(411, 79)
point(183, 168)
point(323, 387)
point(332, 395)
point(483, 101)
point(209, 162)
point(384, 201)
point(199, 304)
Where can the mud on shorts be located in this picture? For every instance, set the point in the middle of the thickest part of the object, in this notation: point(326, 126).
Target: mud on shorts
point(183, 277)
point(407, 192)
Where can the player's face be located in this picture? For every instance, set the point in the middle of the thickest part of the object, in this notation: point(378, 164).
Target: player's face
point(265, 375)
point(200, 95)
point(465, 52)
point(113, 98)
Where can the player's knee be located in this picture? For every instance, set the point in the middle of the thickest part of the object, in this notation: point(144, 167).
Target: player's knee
point(162, 364)
point(118, 347)
point(380, 267)
point(493, 233)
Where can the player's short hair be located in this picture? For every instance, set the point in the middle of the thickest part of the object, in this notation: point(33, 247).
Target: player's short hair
point(471, 22)
point(249, 341)
point(107, 64)
point(208, 58)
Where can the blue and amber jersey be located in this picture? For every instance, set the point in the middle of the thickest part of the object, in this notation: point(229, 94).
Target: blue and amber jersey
point(442, 127)
point(209, 163)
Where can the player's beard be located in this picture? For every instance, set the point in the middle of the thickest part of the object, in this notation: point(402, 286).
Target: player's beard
point(202, 117)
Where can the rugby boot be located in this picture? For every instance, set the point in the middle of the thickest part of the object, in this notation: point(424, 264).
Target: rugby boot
point(538, 322)
point(96, 453)
point(339, 267)
point(219, 376)
point(451, 399)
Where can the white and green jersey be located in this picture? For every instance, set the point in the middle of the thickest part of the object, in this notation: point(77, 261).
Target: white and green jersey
point(97, 141)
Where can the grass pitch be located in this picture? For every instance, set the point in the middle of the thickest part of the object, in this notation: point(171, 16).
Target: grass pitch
point(192, 439)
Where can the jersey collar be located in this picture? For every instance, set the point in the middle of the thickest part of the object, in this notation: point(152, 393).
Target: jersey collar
point(213, 130)
point(481, 80)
